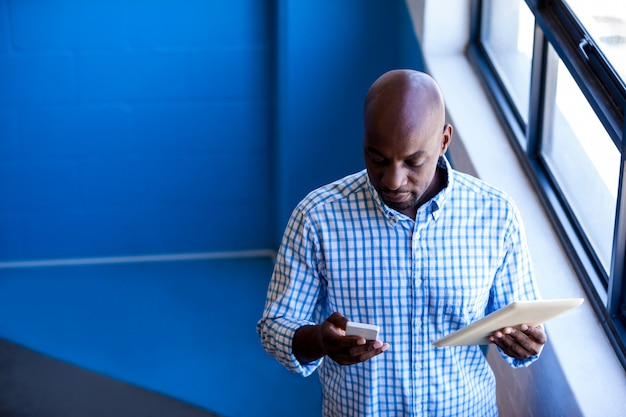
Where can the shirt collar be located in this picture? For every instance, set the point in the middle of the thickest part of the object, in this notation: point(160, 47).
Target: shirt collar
point(433, 206)
point(437, 202)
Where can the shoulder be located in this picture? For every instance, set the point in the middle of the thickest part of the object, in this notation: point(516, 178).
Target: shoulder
point(340, 191)
point(471, 191)
point(478, 188)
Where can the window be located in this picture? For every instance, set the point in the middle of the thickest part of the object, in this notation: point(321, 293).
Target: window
point(508, 41)
point(556, 71)
point(583, 162)
point(605, 21)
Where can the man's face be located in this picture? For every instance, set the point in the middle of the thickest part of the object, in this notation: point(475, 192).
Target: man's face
point(401, 163)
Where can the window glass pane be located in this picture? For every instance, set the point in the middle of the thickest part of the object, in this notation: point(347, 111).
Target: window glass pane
point(584, 161)
point(507, 35)
point(605, 20)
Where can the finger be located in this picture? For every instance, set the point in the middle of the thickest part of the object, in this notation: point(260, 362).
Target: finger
point(333, 329)
point(372, 349)
point(333, 334)
point(535, 332)
point(502, 340)
point(515, 343)
point(508, 348)
point(529, 338)
point(530, 344)
point(356, 354)
point(352, 341)
point(366, 347)
point(359, 354)
point(357, 344)
point(338, 320)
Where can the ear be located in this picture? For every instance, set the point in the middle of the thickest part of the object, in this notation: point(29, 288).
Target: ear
point(446, 138)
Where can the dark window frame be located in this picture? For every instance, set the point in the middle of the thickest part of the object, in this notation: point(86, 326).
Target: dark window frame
point(558, 28)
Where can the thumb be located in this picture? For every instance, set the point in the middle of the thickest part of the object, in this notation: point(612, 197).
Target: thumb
point(338, 320)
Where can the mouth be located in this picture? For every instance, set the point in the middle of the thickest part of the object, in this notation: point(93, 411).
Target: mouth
point(395, 197)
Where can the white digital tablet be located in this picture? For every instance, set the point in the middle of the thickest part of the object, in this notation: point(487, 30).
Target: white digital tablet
point(517, 313)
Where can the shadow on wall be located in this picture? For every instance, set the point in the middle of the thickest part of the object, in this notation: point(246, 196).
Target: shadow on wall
point(515, 399)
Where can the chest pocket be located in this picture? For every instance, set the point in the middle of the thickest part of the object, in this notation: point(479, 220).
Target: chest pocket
point(453, 308)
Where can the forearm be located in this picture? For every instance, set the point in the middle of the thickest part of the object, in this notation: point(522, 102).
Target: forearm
point(307, 344)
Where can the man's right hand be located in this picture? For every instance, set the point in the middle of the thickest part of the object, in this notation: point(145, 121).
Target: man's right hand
point(328, 339)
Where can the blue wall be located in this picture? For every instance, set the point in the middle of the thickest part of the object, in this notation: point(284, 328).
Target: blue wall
point(140, 127)
point(330, 51)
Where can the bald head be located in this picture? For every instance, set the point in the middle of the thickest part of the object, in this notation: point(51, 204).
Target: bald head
point(411, 98)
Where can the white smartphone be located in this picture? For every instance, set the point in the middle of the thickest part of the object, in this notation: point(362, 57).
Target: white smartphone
point(367, 331)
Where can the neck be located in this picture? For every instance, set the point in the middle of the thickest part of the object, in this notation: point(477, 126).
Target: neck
point(439, 182)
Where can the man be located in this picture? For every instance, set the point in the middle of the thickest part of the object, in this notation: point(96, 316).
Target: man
point(408, 244)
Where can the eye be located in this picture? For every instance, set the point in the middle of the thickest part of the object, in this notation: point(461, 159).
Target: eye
point(376, 158)
point(415, 163)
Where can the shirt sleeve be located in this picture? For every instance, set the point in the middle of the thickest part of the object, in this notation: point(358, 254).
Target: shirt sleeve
point(515, 278)
point(293, 293)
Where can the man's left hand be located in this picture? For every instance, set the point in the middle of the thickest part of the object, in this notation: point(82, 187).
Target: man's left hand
point(520, 342)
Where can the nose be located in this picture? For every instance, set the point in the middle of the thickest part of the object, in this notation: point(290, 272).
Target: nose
point(394, 177)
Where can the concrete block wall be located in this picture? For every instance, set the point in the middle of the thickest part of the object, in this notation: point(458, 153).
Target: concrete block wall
point(133, 127)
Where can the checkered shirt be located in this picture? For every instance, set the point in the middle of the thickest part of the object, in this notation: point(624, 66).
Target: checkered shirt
point(344, 250)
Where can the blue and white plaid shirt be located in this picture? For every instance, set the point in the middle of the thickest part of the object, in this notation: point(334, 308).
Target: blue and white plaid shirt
point(344, 250)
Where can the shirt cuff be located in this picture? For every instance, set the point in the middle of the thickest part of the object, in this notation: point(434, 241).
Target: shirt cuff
point(519, 363)
point(277, 339)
